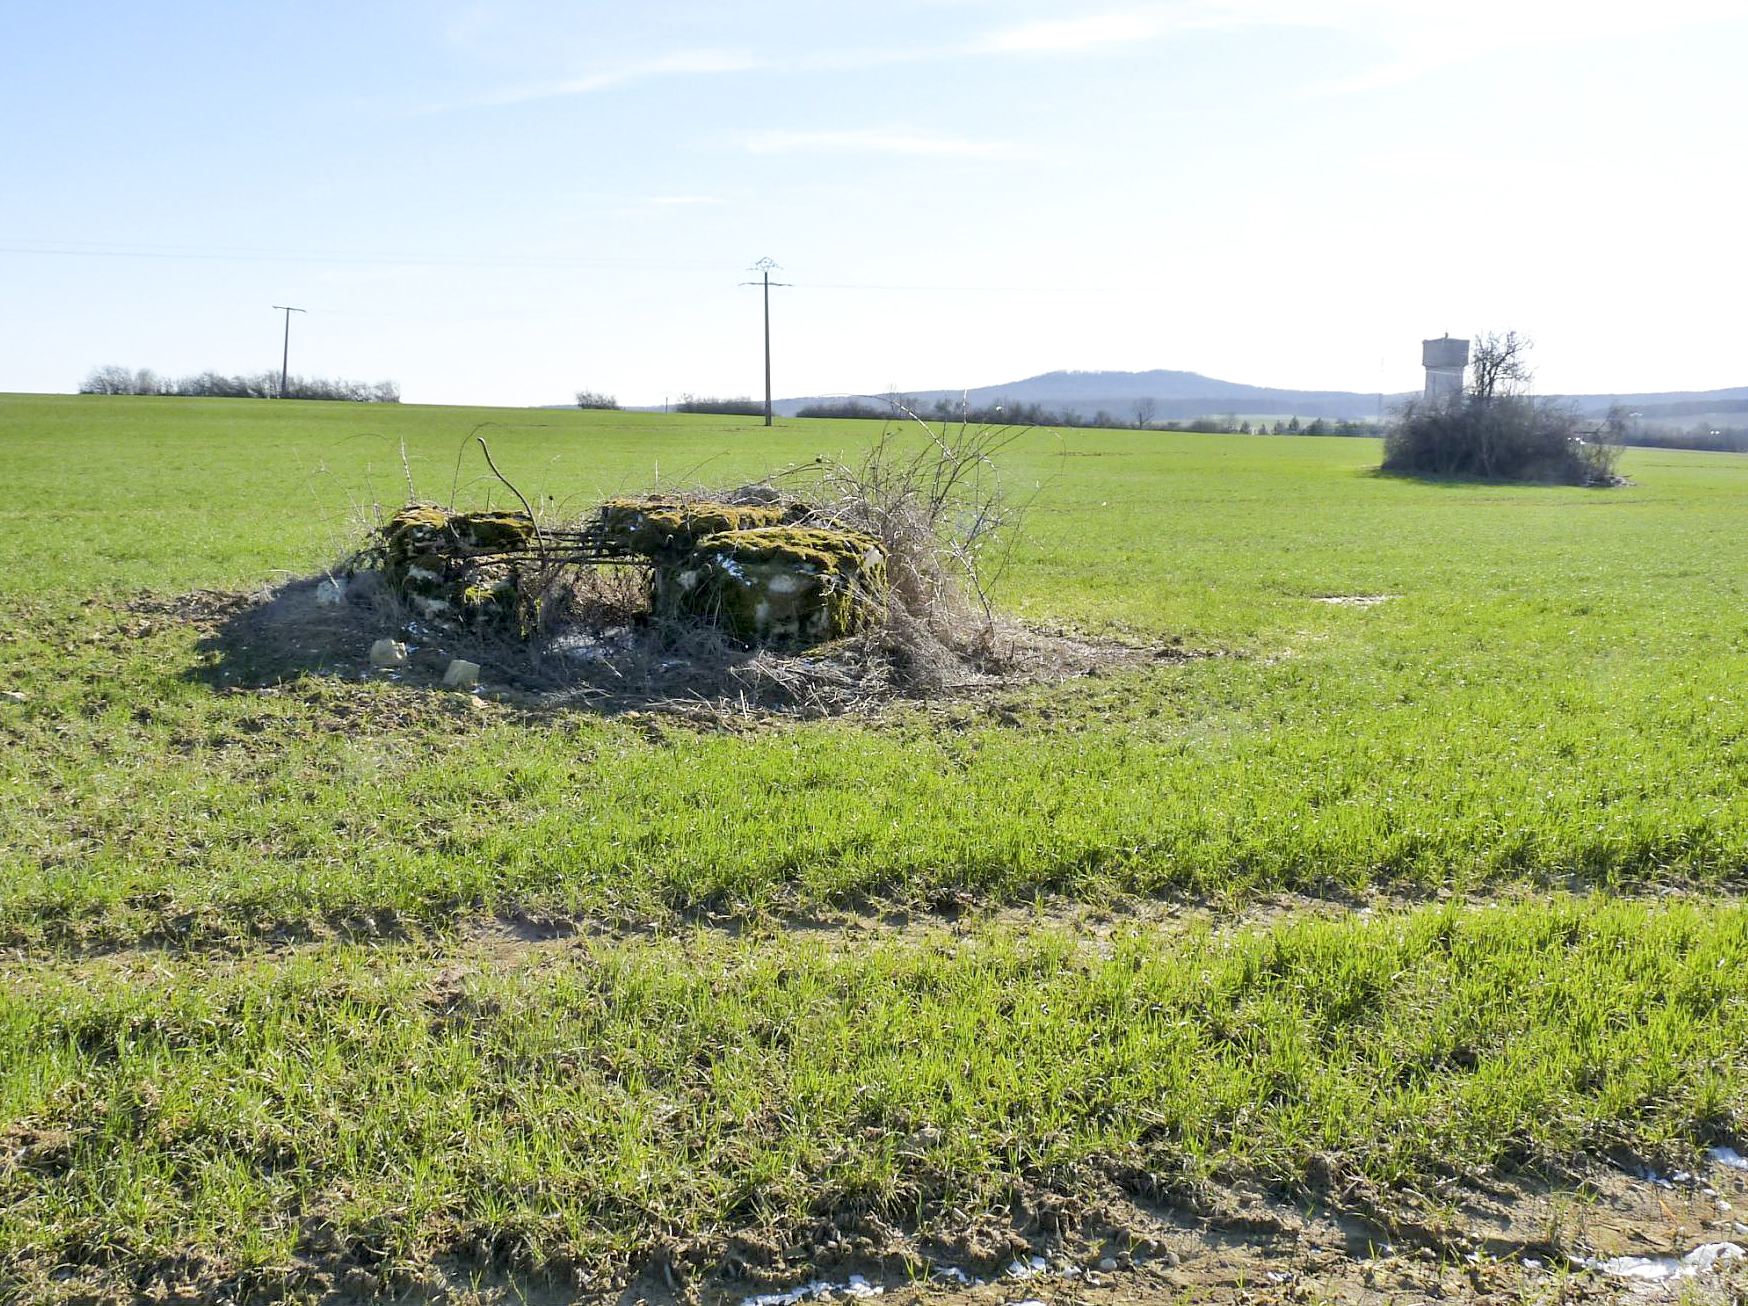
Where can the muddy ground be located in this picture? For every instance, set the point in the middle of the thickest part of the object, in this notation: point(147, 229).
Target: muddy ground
point(1609, 1237)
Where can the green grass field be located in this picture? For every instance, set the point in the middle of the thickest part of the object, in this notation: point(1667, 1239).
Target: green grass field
point(264, 1016)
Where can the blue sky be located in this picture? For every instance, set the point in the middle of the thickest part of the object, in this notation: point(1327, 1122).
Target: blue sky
point(506, 202)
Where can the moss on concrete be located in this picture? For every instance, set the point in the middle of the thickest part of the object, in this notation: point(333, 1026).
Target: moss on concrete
point(782, 583)
point(443, 563)
point(670, 529)
point(749, 566)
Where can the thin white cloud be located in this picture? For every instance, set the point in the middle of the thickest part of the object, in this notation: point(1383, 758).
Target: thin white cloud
point(1417, 41)
point(1411, 41)
point(1135, 24)
point(1074, 33)
point(679, 63)
point(682, 199)
point(874, 140)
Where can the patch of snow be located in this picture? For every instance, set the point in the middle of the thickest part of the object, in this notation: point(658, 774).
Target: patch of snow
point(1729, 1156)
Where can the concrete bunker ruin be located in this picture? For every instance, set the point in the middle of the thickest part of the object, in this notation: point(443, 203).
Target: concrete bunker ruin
point(763, 571)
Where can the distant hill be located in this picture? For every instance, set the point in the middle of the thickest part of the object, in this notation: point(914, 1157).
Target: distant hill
point(1672, 403)
point(1179, 395)
point(1173, 395)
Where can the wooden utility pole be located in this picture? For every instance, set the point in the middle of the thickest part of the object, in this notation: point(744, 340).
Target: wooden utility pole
point(285, 357)
point(764, 267)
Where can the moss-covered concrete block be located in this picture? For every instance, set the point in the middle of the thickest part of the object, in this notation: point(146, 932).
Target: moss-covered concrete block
point(779, 583)
point(456, 567)
point(670, 529)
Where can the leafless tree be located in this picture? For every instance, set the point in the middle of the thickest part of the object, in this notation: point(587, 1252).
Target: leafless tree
point(1500, 365)
point(108, 381)
point(1144, 413)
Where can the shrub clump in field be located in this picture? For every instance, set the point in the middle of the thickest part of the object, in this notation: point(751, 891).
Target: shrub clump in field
point(1496, 430)
point(1508, 438)
point(741, 406)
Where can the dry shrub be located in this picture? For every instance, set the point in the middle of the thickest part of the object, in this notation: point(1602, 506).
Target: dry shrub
point(938, 508)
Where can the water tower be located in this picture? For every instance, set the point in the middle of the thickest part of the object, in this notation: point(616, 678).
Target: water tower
point(1444, 361)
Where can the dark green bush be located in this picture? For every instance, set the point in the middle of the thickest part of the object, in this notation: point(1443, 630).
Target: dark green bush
point(1505, 438)
point(741, 407)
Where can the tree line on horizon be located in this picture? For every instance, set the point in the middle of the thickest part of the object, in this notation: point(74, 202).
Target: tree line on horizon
point(1021, 413)
point(261, 385)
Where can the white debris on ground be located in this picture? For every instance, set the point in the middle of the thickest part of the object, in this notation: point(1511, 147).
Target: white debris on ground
point(858, 1287)
point(1661, 1269)
point(818, 1290)
point(461, 674)
point(388, 653)
point(1729, 1156)
point(600, 646)
point(1355, 600)
point(330, 593)
point(1651, 1177)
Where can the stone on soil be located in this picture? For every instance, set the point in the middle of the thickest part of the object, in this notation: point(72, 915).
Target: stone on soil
point(461, 674)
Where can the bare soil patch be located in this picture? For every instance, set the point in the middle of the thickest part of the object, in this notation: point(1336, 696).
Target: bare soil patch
point(612, 660)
